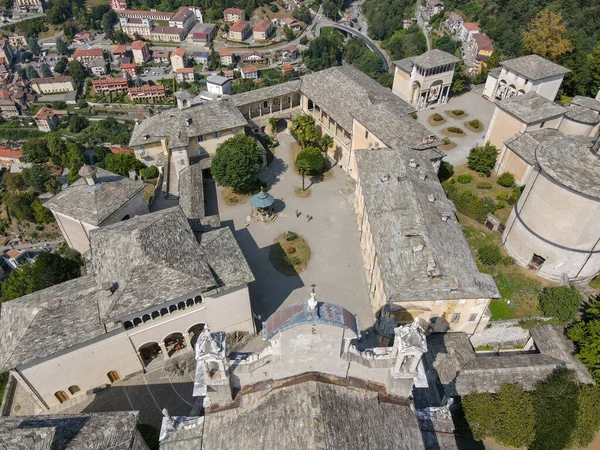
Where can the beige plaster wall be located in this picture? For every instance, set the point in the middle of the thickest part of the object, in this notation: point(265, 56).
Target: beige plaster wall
point(152, 150)
point(503, 126)
point(509, 161)
point(547, 228)
point(402, 86)
point(573, 127)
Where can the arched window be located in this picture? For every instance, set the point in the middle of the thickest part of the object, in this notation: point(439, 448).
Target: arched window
point(137, 321)
point(181, 305)
point(155, 314)
point(61, 396)
point(198, 299)
point(125, 218)
point(164, 312)
point(74, 389)
point(189, 302)
point(173, 308)
point(146, 318)
point(128, 324)
point(113, 376)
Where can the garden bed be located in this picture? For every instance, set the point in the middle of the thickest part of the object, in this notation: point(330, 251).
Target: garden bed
point(448, 146)
point(233, 198)
point(472, 128)
point(450, 113)
point(432, 120)
point(290, 257)
point(448, 132)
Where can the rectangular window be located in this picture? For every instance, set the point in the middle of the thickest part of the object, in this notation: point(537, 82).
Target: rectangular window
point(366, 134)
point(265, 104)
point(455, 318)
point(542, 124)
point(536, 262)
point(217, 134)
point(473, 317)
point(199, 138)
point(234, 130)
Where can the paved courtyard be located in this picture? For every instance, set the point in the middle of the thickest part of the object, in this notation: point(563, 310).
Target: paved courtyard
point(473, 104)
point(335, 266)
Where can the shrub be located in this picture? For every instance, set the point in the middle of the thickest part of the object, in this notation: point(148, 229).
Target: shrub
point(465, 178)
point(475, 124)
point(292, 260)
point(274, 8)
point(149, 172)
point(310, 161)
point(458, 112)
point(502, 196)
point(508, 261)
point(289, 235)
point(455, 130)
point(484, 185)
point(446, 141)
point(437, 117)
point(500, 204)
point(446, 171)
point(470, 204)
point(507, 179)
point(515, 194)
point(561, 302)
point(490, 254)
point(482, 159)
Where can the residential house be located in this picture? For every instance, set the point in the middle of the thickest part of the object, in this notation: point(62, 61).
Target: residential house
point(201, 57)
point(202, 34)
point(253, 56)
point(10, 156)
point(46, 118)
point(178, 58)
point(229, 74)
point(53, 85)
point(185, 74)
point(29, 6)
point(434, 7)
point(219, 85)
point(249, 72)
point(16, 258)
point(86, 55)
point(226, 56)
point(289, 53)
point(130, 69)
point(161, 56)
point(233, 15)
point(110, 84)
point(287, 68)
point(97, 66)
point(8, 109)
point(524, 74)
point(84, 37)
point(482, 48)
point(262, 30)
point(141, 51)
point(118, 5)
point(17, 40)
point(147, 92)
point(6, 51)
point(467, 30)
point(454, 22)
point(292, 23)
point(117, 52)
point(239, 31)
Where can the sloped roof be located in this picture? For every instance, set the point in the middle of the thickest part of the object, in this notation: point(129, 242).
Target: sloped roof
point(420, 256)
point(534, 67)
point(114, 430)
point(531, 107)
point(524, 144)
point(428, 60)
point(94, 204)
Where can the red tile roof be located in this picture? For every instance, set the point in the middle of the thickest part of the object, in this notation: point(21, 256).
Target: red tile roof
point(471, 26)
point(118, 49)
point(262, 26)
point(12, 253)
point(239, 26)
point(119, 150)
point(179, 51)
point(225, 52)
point(234, 11)
point(249, 69)
point(138, 45)
point(81, 53)
point(288, 68)
point(6, 152)
point(483, 42)
point(185, 70)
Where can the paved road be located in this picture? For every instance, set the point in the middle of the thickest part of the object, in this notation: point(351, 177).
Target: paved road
point(52, 245)
point(421, 22)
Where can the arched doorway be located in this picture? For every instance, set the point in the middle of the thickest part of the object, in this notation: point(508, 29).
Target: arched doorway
point(61, 396)
point(194, 331)
point(113, 376)
point(149, 352)
point(174, 342)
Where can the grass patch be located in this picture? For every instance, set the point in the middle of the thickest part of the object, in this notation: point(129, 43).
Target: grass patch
point(484, 348)
point(449, 146)
point(289, 257)
point(270, 74)
point(595, 283)
point(3, 383)
point(232, 198)
point(149, 192)
point(528, 324)
point(563, 100)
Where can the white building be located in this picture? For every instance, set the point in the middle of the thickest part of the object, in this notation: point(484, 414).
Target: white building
point(426, 79)
point(522, 75)
point(219, 85)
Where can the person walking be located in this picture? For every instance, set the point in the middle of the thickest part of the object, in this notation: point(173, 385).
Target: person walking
point(297, 214)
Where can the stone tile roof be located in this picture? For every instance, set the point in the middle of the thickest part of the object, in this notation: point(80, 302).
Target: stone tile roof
point(534, 67)
point(258, 95)
point(299, 314)
point(180, 125)
point(191, 192)
point(462, 371)
point(342, 91)
point(225, 258)
point(310, 414)
point(524, 144)
point(94, 204)
point(49, 321)
point(569, 161)
point(495, 72)
point(428, 60)
point(147, 265)
point(584, 109)
point(531, 107)
point(420, 256)
point(114, 430)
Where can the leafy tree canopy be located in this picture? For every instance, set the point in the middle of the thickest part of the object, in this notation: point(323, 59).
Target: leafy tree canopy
point(561, 302)
point(122, 163)
point(236, 163)
point(482, 158)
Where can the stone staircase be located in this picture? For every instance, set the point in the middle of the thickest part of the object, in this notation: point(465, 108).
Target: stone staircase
point(172, 179)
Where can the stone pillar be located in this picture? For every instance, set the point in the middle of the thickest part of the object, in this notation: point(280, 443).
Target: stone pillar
point(163, 348)
point(271, 107)
point(188, 342)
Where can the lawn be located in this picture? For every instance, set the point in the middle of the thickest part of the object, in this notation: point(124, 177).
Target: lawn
point(517, 285)
point(271, 74)
point(501, 214)
point(289, 257)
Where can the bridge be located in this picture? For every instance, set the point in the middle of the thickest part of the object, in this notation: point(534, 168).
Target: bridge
point(387, 66)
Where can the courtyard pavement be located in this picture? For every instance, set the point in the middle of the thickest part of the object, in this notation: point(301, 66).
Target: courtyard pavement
point(473, 104)
point(335, 266)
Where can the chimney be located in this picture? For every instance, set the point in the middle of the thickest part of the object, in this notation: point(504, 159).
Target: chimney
point(376, 145)
point(431, 198)
point(89, 173)
point(188, 121)
point(412, 163)
point(369, 146)
point(422, 176)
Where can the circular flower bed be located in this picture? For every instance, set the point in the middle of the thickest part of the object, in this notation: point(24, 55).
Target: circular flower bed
point(289, 256)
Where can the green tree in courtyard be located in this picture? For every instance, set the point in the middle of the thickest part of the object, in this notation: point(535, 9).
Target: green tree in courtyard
point(304, 130)
point(237, 163)
point(310, 161)
point(482, 158)
point(561, 302)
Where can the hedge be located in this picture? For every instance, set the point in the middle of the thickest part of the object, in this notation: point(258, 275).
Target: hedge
point(507, 179)
point(465, 178)
point(484, 185)
point(475, 123)
point(470, 204)
point(458, 112)
point(437, 117)
point(515, 194)
point(490, 254)
point(455, 130)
